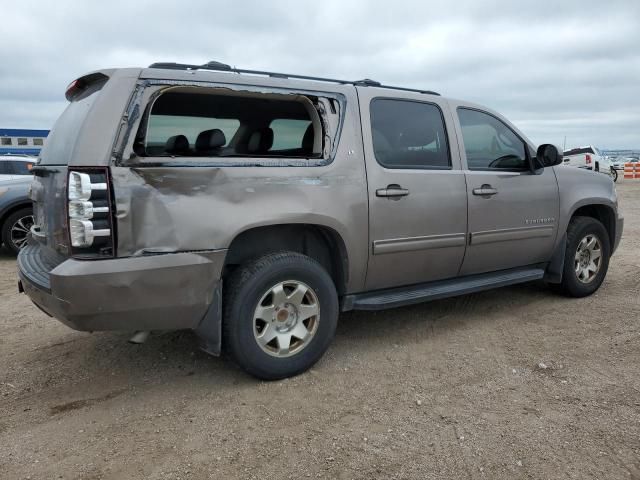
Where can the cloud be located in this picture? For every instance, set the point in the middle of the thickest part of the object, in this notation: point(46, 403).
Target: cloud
point(556, 69)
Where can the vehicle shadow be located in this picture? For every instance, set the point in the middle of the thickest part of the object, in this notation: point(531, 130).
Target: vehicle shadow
point(172, 356)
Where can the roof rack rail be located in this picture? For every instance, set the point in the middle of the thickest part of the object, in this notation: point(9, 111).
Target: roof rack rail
point(223, 67)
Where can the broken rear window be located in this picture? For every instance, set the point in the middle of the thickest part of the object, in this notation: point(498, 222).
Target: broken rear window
point(215, 122)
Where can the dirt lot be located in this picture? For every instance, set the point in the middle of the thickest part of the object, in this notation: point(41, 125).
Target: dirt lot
point(450, 389)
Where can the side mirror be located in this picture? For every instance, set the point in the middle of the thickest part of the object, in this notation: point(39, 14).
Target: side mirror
point(548, 155)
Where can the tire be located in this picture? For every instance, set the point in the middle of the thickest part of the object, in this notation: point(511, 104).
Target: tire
point(250, 294)
point(15, 229)
point(614, 174)
point(575, 283)
point(596, 168)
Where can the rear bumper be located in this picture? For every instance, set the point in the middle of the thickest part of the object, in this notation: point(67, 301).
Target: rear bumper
point(156, 292)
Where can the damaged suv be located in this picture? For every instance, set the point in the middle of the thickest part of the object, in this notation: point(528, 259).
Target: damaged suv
point(252, 207)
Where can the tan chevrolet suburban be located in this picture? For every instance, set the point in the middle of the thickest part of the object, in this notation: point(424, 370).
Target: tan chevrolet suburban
point(252, 207)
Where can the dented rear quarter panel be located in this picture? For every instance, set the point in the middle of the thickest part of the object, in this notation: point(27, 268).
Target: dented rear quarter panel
point(191, 207)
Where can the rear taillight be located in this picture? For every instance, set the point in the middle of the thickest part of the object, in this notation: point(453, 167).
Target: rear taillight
point(90, 213)
point(588, 158)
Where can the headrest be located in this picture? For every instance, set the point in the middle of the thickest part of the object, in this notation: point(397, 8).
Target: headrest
point(177, 144)
point(210, 140)
point(260, 141)
point(307, 139)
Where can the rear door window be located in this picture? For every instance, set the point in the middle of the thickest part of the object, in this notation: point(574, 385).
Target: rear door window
point(409, 135)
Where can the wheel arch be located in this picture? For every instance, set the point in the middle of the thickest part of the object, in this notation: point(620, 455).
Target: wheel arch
point(322, 243)
point(605, 214)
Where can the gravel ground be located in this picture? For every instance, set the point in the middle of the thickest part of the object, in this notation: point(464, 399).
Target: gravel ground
point(511, 383)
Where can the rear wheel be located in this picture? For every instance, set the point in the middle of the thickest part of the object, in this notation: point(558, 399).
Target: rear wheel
point(586, 258)
point(280, 315)
point(15, 229)
point(614, 174)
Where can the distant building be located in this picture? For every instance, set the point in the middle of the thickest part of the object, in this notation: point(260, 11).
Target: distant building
point(18, 141)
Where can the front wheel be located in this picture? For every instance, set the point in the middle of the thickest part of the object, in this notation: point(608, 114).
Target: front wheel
point(280, 315)
point(614, 174)
point(586, 258)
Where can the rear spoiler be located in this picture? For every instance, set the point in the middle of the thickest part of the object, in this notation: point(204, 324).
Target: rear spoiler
point(86, 84)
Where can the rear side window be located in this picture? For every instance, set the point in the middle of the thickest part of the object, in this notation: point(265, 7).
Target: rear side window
point(7, 141)
point(201, 122)
point(409, 135)
point(490, 144)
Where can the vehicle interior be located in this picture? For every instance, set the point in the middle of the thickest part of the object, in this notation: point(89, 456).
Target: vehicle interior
point(489, 144)
point(408, 135)
point(208, 122)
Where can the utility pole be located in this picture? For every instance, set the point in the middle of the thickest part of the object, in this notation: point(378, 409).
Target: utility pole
point(564, 146)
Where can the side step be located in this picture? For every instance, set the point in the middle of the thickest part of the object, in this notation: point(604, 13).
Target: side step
point(398, 297)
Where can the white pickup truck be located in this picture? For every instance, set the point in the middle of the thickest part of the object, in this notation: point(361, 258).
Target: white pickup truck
point(589, 158)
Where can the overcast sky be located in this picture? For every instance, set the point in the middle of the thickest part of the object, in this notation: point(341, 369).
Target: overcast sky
point(556, 69)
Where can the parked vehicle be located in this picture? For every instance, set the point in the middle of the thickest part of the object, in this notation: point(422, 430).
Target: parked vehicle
point(16, 215)
point(253, 207)
point(589, 158)
point(15, 166)
point(618, 163)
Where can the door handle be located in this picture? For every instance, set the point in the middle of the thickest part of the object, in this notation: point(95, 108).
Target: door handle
point(485, 190)
point(393, 190)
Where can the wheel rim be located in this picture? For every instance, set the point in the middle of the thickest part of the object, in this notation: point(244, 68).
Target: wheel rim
point(20, 230)
point(588, 258)
point(286, 318)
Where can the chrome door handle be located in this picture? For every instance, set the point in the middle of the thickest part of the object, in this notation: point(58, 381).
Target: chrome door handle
point(485, 191)
point(392, 190)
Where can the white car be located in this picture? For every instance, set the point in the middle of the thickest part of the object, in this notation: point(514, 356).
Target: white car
point(15, 166)
point(589, 158)
point(619, 162)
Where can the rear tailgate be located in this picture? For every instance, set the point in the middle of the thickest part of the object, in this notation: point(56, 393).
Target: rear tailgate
point(83, 136)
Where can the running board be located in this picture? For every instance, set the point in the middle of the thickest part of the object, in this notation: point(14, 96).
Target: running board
point(412, 294)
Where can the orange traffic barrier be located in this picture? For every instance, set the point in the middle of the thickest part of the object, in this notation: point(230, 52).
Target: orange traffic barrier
point(632, 170)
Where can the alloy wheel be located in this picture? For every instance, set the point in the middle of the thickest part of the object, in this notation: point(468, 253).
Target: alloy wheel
point(19, 231)
point(286, 318)
point(588, 258)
